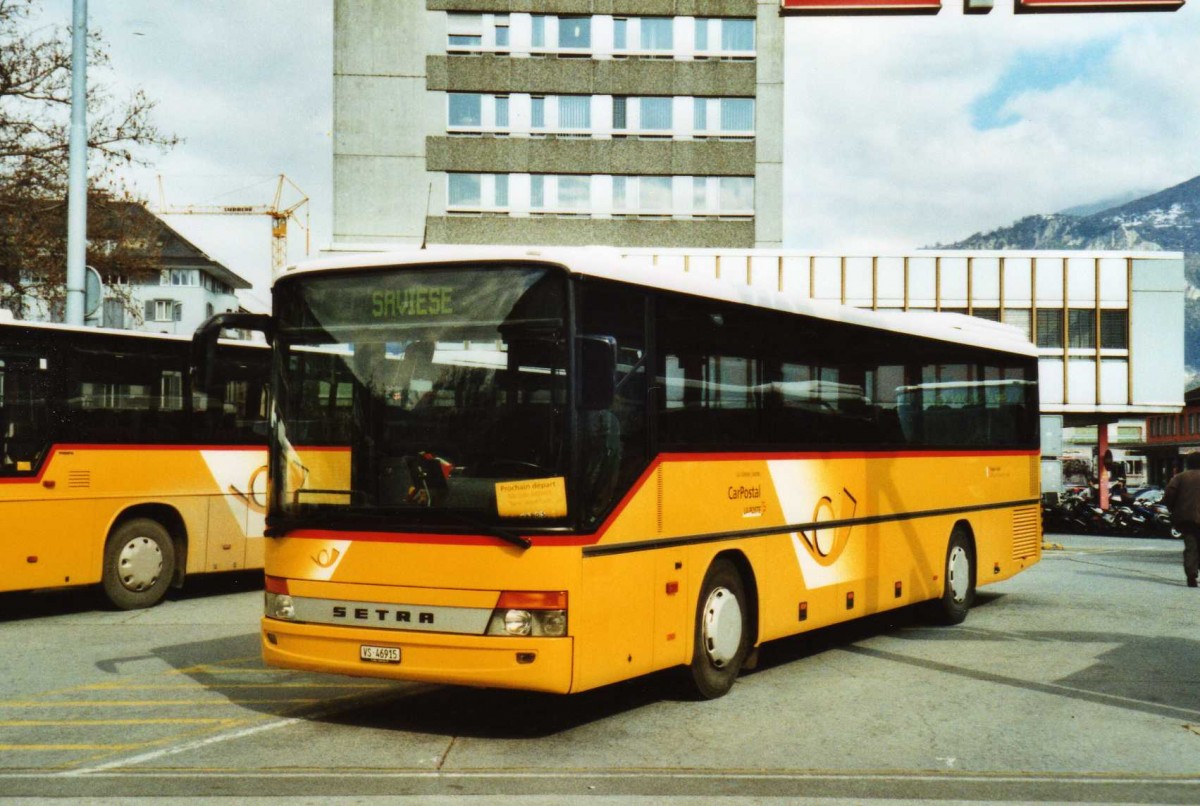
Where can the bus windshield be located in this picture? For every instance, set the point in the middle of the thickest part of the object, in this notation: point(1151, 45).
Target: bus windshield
point(422, 397)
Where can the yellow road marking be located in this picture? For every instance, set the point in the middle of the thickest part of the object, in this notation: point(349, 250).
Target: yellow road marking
point(114, 703)
point(60, 723)
point(215, 671)
point(52, 748)
point(177, 686)
point(226, 664)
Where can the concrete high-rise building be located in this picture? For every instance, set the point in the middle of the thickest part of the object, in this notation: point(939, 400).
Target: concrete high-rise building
point(627, 122)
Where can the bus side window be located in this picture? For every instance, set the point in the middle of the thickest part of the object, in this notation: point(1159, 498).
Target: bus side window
point(234, 410)
point(24, 424)
point(613, 439)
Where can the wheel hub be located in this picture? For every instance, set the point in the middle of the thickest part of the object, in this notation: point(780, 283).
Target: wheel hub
point(140, 563)
point(722, 627)
point(958, 573)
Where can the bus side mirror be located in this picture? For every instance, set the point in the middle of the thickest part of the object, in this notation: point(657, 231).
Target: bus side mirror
point(204, 341)
point(599, 372)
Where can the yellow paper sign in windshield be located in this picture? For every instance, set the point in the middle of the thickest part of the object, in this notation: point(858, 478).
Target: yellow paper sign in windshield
point(532, 498)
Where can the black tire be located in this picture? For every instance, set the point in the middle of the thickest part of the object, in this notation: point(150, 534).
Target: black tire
point(722, 633)
point(958, 592)
point(139, 562)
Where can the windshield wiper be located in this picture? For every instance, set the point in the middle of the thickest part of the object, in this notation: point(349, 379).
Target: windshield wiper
point(520, 541)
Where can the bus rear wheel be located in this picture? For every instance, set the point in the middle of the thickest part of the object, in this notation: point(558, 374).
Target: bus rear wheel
point(958, 594)
point(139, 562)
point(722, 638)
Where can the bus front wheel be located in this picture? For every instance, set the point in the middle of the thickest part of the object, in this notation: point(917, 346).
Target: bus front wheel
point(139, 561)
point(722, 637)
point(958, 593)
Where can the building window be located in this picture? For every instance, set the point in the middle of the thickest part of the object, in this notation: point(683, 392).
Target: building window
point(574, 32)
point(1081, 327)
point(164, 310)
point(537, 191)
point(464, 30)
point(737, 36)
point(501, 32)
point(1114, 329)
point(699, 194)
point(619, 114)
point(620, 33)
point(737, 194)
point(737, 115)
point(654, 194)
point(1049, 327)
point(990, 314)
point(574, 192)
point(537, 112)
point(501, 111)
point(657, 33)
point(464, 190)
point(1018, 318)
point(501, 190)
point(620, 199)
point(538, 32)
point(465, 109)
point(655, 114)
point(180, 277)
point(575, 112)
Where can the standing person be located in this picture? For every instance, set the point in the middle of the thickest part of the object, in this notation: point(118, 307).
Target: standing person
point(1183, 499)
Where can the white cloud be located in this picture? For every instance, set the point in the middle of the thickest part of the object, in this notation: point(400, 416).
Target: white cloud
point(882, 153)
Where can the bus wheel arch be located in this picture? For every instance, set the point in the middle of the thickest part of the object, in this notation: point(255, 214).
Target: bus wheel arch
point(725, 627)
point(144, 554)
point(960, 573)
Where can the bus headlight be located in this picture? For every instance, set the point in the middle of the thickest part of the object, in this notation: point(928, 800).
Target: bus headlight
point(277, 600)
point(524, 613)
point(280, 606)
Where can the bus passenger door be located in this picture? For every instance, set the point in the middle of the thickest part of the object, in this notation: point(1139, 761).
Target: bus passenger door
point(231, 418)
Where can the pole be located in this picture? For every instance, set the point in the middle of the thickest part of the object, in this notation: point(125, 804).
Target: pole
point(77, 188)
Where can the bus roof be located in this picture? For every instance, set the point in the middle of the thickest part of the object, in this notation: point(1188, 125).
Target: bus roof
point(612, 263)
point(83, 330)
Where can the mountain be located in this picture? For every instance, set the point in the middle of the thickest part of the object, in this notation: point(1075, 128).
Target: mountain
point(1167, 220)
point(1105, 204)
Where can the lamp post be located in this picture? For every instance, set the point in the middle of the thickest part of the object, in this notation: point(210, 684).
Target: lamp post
point(77, 188)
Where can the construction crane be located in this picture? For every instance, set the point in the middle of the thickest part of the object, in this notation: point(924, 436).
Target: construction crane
point(279, 214)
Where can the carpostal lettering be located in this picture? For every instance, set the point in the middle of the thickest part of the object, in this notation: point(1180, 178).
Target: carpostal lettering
point(740, 492)
point(401, 615)
point(415, 301)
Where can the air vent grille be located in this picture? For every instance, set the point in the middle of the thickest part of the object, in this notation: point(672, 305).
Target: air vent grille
point(1027, 539)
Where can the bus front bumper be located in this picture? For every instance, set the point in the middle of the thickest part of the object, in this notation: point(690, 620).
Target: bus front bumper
point(533, 664)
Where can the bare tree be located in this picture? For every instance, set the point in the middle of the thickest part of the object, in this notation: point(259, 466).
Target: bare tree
point(35, 107)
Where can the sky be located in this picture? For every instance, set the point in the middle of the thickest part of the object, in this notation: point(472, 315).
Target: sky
point(900, 132)
point(247, 85)
point(909, 132)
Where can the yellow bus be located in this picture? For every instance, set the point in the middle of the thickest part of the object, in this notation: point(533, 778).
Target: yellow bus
point(115, 470)
point(547, 469)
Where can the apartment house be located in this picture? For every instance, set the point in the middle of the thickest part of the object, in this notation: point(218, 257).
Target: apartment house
point(651, 123)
